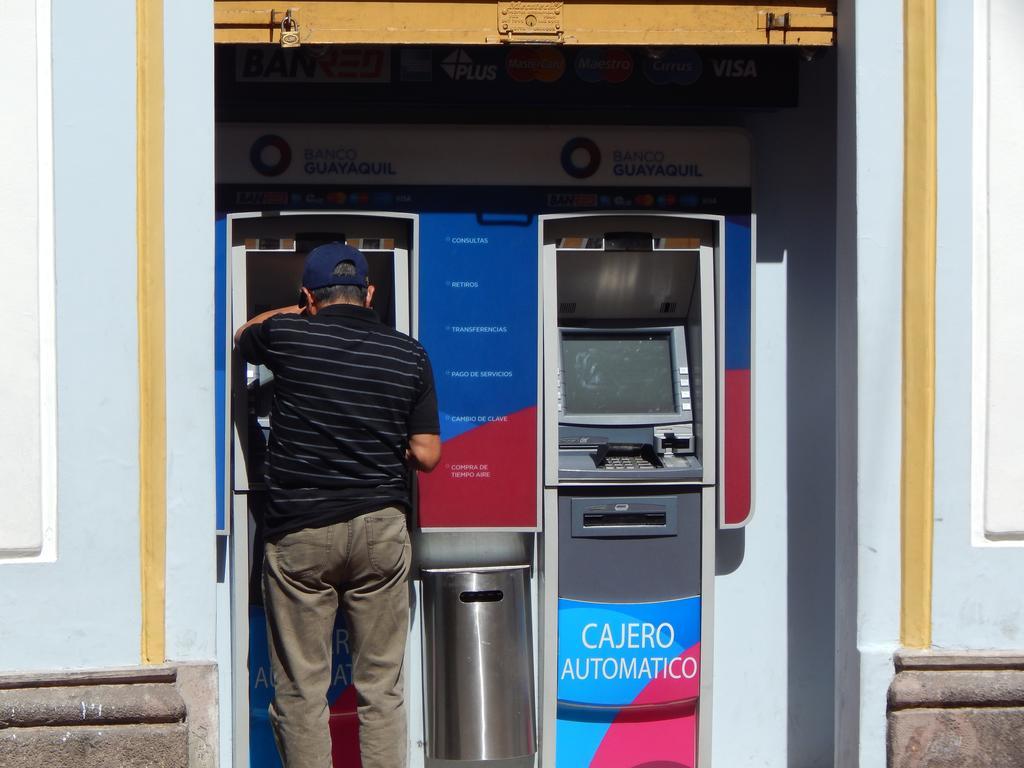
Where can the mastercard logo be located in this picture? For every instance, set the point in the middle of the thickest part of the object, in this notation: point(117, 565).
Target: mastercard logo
point(546, 65)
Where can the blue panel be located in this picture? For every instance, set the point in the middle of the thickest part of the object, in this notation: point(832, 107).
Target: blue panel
point(580, 733)
point(478, 315)
point(220, 312)
point(737, 292)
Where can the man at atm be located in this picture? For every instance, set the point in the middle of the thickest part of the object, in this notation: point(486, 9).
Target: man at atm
point(354, 410)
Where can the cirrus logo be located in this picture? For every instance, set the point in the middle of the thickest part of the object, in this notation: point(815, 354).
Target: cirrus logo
point(581, 157)
point(682, 66)
point(270, 155)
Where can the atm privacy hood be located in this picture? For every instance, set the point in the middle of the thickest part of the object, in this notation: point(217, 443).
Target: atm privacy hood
point(615, 285)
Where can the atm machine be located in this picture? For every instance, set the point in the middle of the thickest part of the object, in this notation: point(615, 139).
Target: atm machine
point(630, 362)
point(267, 257)
point(471, 606)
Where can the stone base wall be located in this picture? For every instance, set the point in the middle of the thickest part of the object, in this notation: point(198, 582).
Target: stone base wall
point(957, 710)
point(158, 717)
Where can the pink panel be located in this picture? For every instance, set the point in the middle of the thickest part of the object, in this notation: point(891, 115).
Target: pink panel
point(736, 474)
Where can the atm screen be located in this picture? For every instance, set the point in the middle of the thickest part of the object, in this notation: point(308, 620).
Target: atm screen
point(617, 373)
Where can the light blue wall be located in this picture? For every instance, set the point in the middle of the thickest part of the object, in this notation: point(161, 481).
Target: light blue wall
point(847, 673)
point(189, 208)
point(878, 125)
point(774, 631)
point(84, 609)
point(976, 598)
point(976, 601)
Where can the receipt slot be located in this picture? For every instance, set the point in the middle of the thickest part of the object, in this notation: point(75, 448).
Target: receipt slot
point(267, 253)
point(631, 463)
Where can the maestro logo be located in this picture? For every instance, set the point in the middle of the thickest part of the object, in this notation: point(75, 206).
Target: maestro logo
point(270, 155)
point(581, 157)
point(609, 65)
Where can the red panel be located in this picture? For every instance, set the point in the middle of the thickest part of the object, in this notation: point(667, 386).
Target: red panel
point(344, 723)
point(736, 473)
point(487, 477)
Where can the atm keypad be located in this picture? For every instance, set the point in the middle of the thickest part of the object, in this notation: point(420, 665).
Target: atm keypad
point(627, 463)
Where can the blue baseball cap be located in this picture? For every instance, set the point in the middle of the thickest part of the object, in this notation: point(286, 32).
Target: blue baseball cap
point(322, 260)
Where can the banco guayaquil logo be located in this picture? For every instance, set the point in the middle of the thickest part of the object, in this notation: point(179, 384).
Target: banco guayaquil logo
point(270, 155)
point(581, 157)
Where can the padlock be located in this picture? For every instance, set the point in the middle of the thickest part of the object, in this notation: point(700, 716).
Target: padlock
point(289, 31)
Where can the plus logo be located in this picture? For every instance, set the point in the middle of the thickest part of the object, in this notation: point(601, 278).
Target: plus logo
point(459, 65)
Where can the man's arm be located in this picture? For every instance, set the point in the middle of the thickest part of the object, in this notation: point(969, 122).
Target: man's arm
point(424, 451)
point(294, 309)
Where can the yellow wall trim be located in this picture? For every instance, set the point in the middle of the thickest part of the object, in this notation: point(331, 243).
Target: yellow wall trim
point(150, 312)
point(919, 222)
point(581, 22)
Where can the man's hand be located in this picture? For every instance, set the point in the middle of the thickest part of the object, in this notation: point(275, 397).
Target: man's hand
point(424, 452)
point(294, 309)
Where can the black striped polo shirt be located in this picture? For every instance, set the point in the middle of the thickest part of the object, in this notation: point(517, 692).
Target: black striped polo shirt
point(348, 392)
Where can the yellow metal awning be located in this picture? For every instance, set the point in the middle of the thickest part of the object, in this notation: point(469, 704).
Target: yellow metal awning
point(583, 22)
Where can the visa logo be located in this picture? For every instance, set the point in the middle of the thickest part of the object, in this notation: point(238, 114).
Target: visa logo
point(734, 67)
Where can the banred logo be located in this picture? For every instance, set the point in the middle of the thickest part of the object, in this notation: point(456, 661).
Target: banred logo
point(609, 65)
point(545, 65)
point(366, 64)
point(253, 197)
point(572, 200)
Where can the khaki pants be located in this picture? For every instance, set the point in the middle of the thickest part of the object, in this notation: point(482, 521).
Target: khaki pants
point(362, 566)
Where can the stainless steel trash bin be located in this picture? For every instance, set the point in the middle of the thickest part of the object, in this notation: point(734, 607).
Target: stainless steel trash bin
point(479, 663)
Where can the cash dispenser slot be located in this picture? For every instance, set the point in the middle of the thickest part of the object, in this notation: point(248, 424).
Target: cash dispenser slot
point(601, 518)
point(611, 519)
